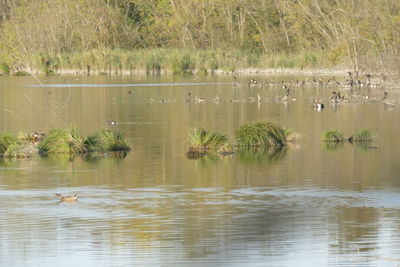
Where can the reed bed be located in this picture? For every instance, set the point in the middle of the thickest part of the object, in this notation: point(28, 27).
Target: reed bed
point(157, 61)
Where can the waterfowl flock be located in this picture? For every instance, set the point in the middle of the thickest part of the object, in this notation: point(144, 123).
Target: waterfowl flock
point(356, 91)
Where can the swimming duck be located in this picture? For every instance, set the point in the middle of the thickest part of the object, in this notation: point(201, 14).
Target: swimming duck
point(199, 100)
point(318, 105)
point(72, 198)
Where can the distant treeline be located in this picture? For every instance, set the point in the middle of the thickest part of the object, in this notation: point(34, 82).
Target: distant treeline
point(48, 35)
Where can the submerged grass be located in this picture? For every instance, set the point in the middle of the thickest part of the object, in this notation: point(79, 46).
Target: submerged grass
point(260, 134)
point(333, 136)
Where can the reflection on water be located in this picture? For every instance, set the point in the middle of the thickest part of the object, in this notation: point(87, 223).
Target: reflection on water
point(333, 146)
point(174, 225)
point(309, 205)
point(261, 155)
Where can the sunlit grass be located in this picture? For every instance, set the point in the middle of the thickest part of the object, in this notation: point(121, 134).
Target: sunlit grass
point(66, 140)
point(333, 136)
point(9, 145)
point(202, 141)
point(260, 134)
point(106, 140)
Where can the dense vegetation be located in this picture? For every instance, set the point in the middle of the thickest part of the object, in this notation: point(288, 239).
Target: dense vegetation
point(103, 35)
point(62, 141)
point(255, 137)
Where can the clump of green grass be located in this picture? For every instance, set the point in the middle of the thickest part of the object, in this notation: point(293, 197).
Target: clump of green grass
point(260, 134)
point(62, 141)
point(4, 69)
point(9, 145)
point(362, 136)
point(333, 136)
point(106, 140)
point(202, 141)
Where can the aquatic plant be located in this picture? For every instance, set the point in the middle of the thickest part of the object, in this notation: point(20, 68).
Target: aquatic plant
point(202, 141)
point(260, 134)
point(106, 140)
point(362, 136)
point(333, 136)
point(66, 140)
point(9, 145)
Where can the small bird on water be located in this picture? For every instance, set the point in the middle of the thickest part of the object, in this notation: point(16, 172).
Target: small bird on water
point(73, 198)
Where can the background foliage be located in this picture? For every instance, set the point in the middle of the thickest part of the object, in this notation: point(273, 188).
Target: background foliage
point(356, 33)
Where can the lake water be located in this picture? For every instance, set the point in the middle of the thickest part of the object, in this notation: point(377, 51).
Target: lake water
point(306, 205)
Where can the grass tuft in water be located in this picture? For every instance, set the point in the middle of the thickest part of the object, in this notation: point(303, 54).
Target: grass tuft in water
point(260, 134)
point(106, 140)
point(333, 136)
point(9, 145)
point(362, 136)
point(66, 140)
point(202, 141)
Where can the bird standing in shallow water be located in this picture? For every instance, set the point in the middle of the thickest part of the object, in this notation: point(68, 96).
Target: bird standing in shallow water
point(287, 91)
point(73, 198)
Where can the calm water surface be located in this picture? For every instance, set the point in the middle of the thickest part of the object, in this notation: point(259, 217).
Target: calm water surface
point(306, 205)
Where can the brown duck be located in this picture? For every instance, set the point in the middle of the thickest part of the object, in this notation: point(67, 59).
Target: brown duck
point(73, 198)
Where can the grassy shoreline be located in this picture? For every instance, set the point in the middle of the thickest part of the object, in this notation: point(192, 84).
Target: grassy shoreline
point(163, 61)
